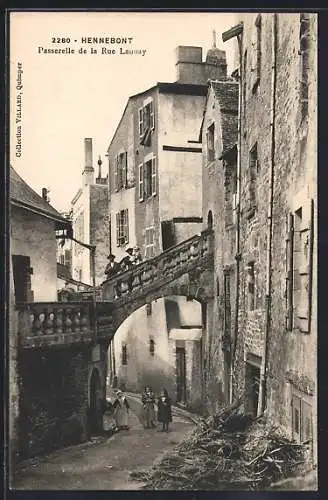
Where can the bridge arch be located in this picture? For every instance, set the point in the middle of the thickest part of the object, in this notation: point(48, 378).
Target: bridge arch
point(161, 346)
point(124, 308)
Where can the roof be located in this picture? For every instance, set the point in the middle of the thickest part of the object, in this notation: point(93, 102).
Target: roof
point(226, 93)
point(23, 196)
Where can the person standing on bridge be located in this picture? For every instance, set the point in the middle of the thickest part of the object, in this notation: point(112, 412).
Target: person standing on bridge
point(164, 410)
point(112, 266)
point(121, 411)
point(148, 401)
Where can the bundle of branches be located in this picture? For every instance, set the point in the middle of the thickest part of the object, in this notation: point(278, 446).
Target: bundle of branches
point(227, 451)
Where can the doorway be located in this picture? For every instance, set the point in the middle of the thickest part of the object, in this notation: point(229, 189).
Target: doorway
point(95, 424)
point(22, 278)
point(181, 374)
point(252, 388)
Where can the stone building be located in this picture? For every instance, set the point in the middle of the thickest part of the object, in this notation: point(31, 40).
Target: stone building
point(155, 175)
point(32, 276)
point(219, 135)
point(89, 212)
point(274, 337)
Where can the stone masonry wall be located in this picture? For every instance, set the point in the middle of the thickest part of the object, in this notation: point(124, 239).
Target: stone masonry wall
point(215, 363)
point(294, 187)
point(99, 228)
point(53, 398)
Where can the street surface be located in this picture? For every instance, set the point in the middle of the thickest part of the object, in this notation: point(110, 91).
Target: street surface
point(104, 463)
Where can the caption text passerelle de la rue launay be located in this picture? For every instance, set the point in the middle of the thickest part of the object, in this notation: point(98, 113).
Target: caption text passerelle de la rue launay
point(102, 45)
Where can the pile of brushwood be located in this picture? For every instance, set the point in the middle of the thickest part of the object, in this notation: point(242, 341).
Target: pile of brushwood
point(228, 451)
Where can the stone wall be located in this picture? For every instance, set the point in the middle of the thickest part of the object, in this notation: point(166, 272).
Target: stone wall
point(294, 185)
point(34, 236)
point(217, 189)
point(99, 228)
point(53, 398)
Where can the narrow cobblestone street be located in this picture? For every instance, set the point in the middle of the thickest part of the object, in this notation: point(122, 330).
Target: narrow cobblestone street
point(103, 464)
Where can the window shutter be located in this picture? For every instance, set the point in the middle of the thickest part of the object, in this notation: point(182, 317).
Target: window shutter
point(296, 418)
point(152, 116)
point(303, 309)
point(306, 419)
point(125, 170)
point(116, 174)
point(141, 182)
point(118, 229)
point(289, 271)
point(126, 225)
point(153, 176)
point(140, 114)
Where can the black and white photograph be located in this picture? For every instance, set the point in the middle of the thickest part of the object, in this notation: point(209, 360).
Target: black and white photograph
point(162, 250)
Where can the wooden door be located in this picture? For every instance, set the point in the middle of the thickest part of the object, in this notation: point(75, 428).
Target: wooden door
point(181, 374)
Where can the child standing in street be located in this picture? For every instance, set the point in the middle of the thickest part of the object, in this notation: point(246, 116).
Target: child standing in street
point(164, 410)
point(121, 411)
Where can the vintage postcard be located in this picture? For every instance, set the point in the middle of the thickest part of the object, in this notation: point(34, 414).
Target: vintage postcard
point(163, 250)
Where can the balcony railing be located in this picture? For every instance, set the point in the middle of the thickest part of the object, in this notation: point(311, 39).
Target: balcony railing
point(161, 269)
point(53, 323)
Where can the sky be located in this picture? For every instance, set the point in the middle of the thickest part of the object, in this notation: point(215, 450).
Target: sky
point(59, 99)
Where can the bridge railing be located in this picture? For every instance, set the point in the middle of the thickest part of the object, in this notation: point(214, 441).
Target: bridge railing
point(55, 323)
point(47, 323)
point(169, 264)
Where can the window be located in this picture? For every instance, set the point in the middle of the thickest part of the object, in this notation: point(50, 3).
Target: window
point(147, 179)
point(141, 183)
point(256, 54)
point(124, 354)
point(251, 285)
point(210, 143)
point(121, 169)
point(67, 258)
point(146, 121)
point(304, 63)
point(122, 227)
point(149, 243)
point(301, 420)
point(62, 259)
point(300, 268)
point(151, 347)
point(253, 171)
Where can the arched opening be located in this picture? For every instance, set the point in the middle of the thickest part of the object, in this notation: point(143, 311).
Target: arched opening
point(95, 405)
point(210, 220)
point(161, 346)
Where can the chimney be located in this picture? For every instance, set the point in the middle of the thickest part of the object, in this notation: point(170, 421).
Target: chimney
point(45, 194)
point(216, 62)
point(88, 172)
point(99, 179)
point(189, 66)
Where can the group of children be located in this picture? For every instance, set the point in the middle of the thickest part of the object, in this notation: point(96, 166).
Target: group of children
point(120, 410)
point(164, 410)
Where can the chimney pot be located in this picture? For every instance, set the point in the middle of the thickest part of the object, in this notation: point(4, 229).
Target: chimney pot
point(88, 152)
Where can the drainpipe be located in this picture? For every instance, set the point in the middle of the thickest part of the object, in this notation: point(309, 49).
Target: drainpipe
point(236, 31)
point(268, 291)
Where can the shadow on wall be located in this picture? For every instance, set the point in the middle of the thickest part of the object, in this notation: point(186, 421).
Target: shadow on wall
point(151, 370)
